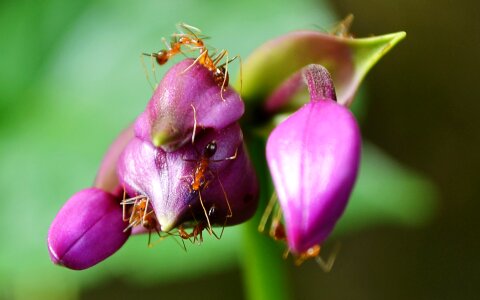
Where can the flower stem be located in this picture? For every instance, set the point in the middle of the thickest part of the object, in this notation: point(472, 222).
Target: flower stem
point(265, 274)
point(263, 267)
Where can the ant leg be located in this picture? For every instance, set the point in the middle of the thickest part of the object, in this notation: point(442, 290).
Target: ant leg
point(124, 204)
point(129, 226)
point(267, 212)
point(230, 213)
point(276, 222)
point(206, 214)
point(134, 210)
point(167, 46)
point(149, 245)
point(145, 211)
point(286, 253)
point(154, 72)
point(234, 156)
point(145, 70)
point(215, 62)
point(132, 200)
point(194, 233)
point(326, 266)
point(220, 56)
point(222, 88)
point(191, 29)
point(195, 61)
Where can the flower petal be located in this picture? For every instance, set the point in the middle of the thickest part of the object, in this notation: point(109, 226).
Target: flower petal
point(165, 177)
point(313, 158)
point(169, 118)
point(88, 229)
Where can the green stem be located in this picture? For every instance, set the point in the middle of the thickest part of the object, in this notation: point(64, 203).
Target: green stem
point(263, 267)
point(264, 270)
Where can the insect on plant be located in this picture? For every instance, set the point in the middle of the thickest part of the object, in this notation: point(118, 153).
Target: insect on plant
point(139, 215)
point(277, 232)
point(191, 38)
point(200, 179)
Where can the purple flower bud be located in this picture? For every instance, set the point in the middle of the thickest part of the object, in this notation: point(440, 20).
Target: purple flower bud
point(313, 158)
point(186, 85)
point(168, 179)
point(88, 229)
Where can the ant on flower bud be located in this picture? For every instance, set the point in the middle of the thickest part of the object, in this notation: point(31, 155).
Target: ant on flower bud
point(277, 232)
point(139, 215)
point(192, 38)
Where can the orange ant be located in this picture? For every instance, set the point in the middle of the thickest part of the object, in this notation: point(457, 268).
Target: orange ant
point(199, 179)
point(277, 232)
point(140, 215)
point(191, 37)
point(219, 72)
point(178, 40)
point(198, 229)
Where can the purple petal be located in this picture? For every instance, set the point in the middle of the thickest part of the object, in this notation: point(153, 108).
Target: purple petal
point(165, 178)
point(169, 119)
point(87, 230)
point(313, 158)
point(107, 179)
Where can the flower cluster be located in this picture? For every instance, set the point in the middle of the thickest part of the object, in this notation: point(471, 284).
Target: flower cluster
point(183, 164)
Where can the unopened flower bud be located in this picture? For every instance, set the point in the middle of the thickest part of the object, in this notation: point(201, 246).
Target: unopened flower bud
point(186, 85)
point(313, 158)
point(88, 229)
point(214, 171)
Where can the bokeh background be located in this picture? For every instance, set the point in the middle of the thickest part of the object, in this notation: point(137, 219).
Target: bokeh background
point(71, 79)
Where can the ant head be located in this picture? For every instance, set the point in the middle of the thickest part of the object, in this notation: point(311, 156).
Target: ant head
point(210, 149)
point(161, 57)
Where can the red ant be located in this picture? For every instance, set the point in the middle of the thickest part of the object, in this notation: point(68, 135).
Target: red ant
point(191, 37)
point(199, 178)
point(140, 215)
point(277, 232)
point(196, 233)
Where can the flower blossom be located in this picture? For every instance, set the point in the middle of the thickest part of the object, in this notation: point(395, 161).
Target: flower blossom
point(184, 155)
point(313, 158)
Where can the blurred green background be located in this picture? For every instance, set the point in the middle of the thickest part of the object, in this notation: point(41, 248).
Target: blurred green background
point(71, 80)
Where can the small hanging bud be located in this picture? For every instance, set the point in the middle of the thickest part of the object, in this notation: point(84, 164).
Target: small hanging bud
point(313, 158)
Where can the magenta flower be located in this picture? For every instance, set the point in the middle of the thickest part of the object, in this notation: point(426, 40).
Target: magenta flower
point(313, 158)
point(182, 163)
point(88, 229)
point(166, 179)
point(169, 118)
